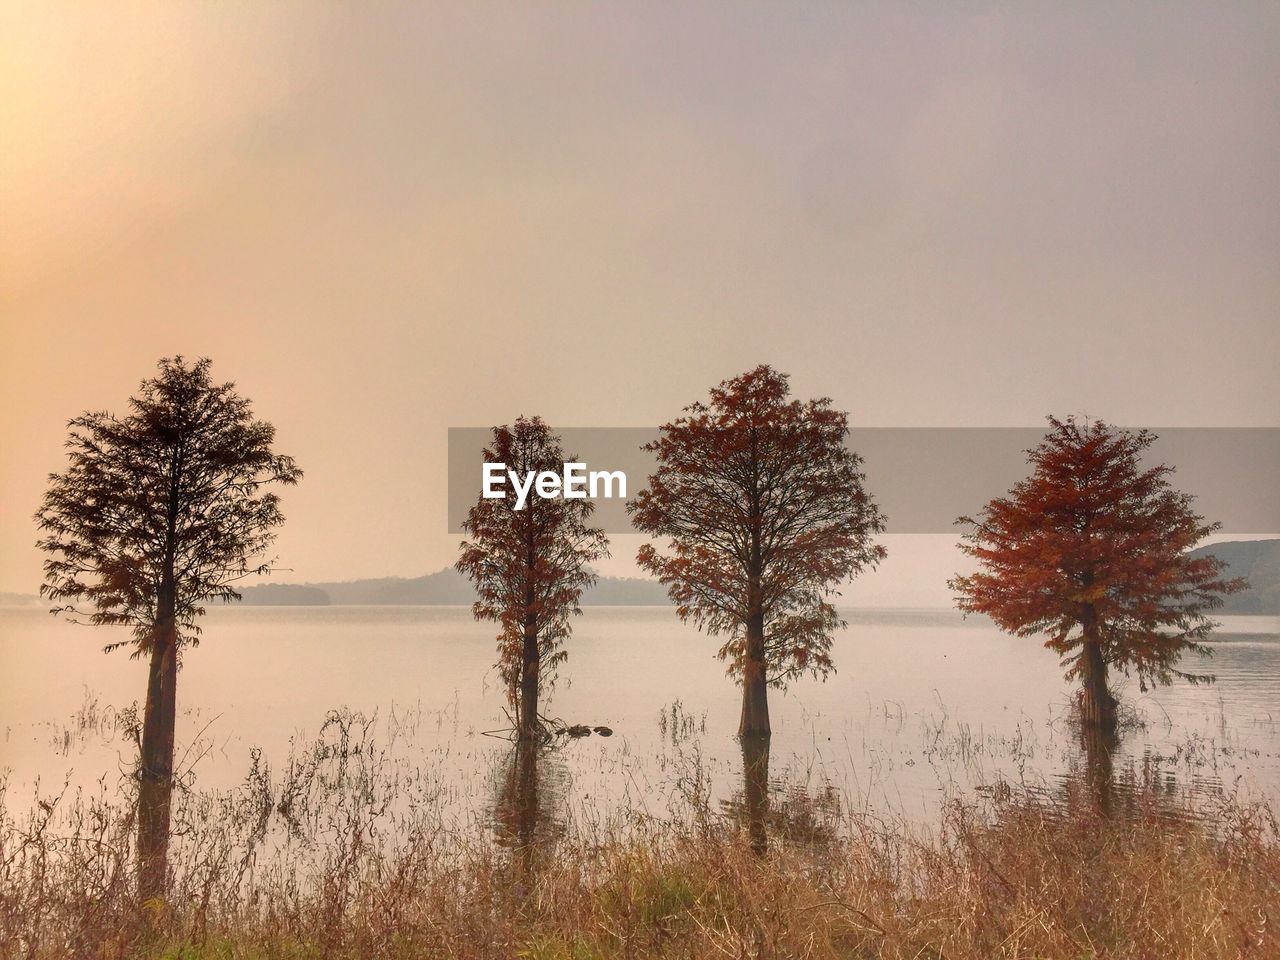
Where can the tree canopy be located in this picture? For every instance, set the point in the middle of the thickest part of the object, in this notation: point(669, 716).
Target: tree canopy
point(1093, 547)
point(170, 492)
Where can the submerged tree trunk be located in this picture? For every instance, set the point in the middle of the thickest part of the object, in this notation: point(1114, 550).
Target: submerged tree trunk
point(526, 800)
point(755, 683)
point(755, 789)
point(155, 786)
point(1098, 746)
point(517, 809)
point(1097, 705)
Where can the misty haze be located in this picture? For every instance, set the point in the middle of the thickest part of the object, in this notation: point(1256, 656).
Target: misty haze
point(639, 480)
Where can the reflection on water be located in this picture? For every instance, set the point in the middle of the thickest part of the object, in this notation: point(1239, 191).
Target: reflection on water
point(778, 808)
point(1098, 749)
point(755, 789)
point(529, 795)
point(925, 706)
point(1104, 777)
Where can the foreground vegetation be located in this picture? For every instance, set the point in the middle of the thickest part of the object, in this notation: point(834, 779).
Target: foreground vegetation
point(312, 867)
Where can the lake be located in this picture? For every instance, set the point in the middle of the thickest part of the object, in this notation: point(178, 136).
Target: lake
point(924, 705)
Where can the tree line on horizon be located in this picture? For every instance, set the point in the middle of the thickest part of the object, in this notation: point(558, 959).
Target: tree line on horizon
point(756, 510)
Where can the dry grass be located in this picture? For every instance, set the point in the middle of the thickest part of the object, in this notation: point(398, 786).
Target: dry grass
point(344, 854)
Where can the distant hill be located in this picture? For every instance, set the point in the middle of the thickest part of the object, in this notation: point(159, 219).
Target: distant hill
point(1259, 562)
point(445, 587)
point(285, 595)
point(627, 592)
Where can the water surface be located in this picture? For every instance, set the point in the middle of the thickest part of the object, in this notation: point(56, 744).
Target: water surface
point(924, 705)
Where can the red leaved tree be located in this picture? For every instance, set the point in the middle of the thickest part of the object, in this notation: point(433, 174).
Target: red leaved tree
point(529, 566)
point(765, 513)
point(1091, 550)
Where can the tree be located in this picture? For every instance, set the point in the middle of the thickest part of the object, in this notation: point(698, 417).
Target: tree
point(1091, 550)
point(160, 511)
point(765, 513)
point(530, 564)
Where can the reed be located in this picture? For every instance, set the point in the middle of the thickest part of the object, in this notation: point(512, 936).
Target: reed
point(340, 855)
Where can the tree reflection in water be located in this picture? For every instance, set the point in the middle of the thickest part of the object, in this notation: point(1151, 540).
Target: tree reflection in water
point(777, 809)
point(1106, 781)
point(755, 789)
point(529, 794)
point(1098, 747)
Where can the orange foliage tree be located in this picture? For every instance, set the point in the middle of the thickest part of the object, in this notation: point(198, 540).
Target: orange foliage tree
point(529, 566)
point(765, 514)
point(1091, 550)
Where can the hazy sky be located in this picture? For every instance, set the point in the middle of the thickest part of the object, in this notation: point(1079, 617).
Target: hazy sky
point(387, 220)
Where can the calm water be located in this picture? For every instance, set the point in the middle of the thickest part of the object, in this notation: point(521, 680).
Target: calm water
point(924, 704)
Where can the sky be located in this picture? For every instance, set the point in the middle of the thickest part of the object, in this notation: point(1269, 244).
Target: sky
point(385, 220)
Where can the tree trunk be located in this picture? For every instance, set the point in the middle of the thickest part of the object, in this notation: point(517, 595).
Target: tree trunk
point(1097, 705)
point(155, 787)
point(755, 686)
point(528, 712)
point(755, 677)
